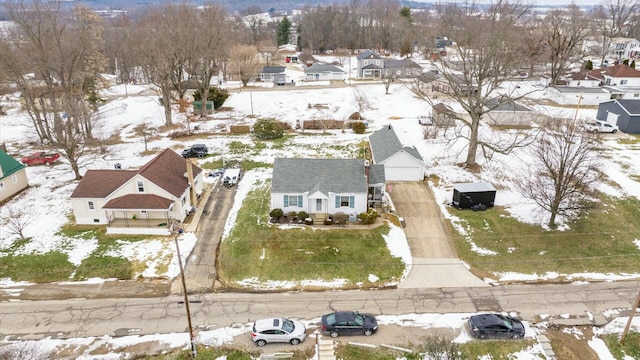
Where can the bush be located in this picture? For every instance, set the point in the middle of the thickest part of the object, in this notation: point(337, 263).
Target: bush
point(303, 215)
point(292, 214)
point(340, 218)
point(276, 213)
point(359, 127)
point(368, 217)
point(217, 95)
point(267, 129)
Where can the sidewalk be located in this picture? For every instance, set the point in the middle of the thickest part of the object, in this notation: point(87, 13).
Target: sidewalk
point(195, 221)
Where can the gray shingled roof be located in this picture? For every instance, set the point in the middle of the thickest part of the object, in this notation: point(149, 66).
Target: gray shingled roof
point(401, 64)
point(473, 187)
point(368, 53)
point(297, 175)
point(376, 174)
point(632, 106)
point(323, 68)
point(505, 104)
point(385, 143)
point(273, 69)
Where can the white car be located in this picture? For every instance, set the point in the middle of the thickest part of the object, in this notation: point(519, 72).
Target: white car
point(601, 126)
point(279, 330)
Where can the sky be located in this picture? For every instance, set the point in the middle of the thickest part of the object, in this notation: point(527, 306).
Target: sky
point(400, 108)
point(535, 2)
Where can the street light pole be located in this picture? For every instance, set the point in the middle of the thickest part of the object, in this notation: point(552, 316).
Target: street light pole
point(186, 301)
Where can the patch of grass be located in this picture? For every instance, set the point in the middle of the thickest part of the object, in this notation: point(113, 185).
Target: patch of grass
point(630, 349)
point(360, 353)
point(82, 231)
point(16, 245)
point(37, 268)
point(601, 240)
point(255, 249)
point(237, 147)
point(213, 353)
point(493, 349)
point(107, 267)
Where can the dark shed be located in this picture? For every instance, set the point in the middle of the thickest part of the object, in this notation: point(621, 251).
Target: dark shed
point(466, 195)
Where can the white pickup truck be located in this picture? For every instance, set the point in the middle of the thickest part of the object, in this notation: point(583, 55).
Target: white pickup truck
point(600, 126)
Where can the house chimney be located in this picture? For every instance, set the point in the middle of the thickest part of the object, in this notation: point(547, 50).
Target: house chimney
point(389, 126)
point(192, 189)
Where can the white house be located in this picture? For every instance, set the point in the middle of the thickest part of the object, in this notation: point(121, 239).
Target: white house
point(13, 176)
point(323, 187)
point(617, 75)
point(624, 48)
point(505, 111)
point(152, 200)
point(401, 163)
point(323, 72)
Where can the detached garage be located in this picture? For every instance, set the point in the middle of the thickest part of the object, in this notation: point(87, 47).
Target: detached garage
point(468, 195)
point(622, 112)
point(401, 163)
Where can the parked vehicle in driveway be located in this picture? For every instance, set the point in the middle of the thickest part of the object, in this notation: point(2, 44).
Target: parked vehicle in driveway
point(278, 330)
point(40, 158)
point(601, 126)
point(349, 323)
point(495, 326)
point(196, 150)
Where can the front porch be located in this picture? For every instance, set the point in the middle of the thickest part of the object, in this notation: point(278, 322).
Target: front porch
point(141, 222)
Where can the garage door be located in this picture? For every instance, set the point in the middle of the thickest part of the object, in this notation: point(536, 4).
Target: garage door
point(612, 118)
point(402, 173)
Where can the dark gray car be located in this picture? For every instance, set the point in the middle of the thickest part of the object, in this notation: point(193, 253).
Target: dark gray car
point(496, 326)
point(196, 150)
point(349, 323)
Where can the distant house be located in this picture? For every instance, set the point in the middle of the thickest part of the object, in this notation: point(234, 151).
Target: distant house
point(13, 176)
point(373, 66)
point(323, 187)
point(505, 111)
point(401, 163)
point(323, 72)
point(273, 74)
point(624, 48)
point(622, 112)
point(152, 200)
point(617, 75)
point(443, 115)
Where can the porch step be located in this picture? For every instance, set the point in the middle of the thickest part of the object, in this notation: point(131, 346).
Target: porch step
point(319, 218)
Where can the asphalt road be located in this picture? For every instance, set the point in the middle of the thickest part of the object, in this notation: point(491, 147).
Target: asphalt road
point(572, 304)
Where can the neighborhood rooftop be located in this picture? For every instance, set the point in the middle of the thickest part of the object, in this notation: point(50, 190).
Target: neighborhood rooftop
point(298, 175)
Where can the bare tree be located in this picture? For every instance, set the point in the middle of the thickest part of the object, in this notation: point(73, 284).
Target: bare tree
point(361, 101)
point(17, 219)
point(613, 18)
point(388, 76)
point(64, 49)
point(565, 32)
point(243, 62)
point(482, 60)
point(564, 164)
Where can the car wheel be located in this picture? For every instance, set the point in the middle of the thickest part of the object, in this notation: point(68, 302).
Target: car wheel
point(261, 343)
point(295, 341)
point(614, 131)
point(516, 336)
point(47, 163)
point(368, 332)
point(482, 336)
point(200, 155)
point(334, 334)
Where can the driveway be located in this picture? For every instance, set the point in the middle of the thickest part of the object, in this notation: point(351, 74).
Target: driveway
point(435, 263)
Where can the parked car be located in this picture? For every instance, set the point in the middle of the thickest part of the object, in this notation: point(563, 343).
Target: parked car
point(601, 126)
point(196, 150)
point(349, 323)
point(39, 158)
point(278, 330)
point(496, 326)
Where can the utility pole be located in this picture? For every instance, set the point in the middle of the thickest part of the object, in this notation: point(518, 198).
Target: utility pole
point(633, 313)
point(186, 301)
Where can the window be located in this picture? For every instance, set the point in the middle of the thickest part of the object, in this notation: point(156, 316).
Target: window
point(91, 205)
point(366, 62)
point(292, 200)
point(1, 186)
point(184, 200)
point(140, 186)
point(345, 201)
point(96, 220)
point(14, 179)
point(408, 71)
point(623, 82)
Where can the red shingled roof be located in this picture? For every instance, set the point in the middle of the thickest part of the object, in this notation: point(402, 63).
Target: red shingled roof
point(165, 170)
point(617, 71)
point(139, 201)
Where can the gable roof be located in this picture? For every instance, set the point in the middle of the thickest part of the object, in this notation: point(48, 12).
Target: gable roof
point(139, 201)
point(323, 68)
point(376, 174)
point(8, 165)
point(297, 175)
point(368, 54)
point(504, 104)
point(273, 69)
point(631, 106)
point(385, 143)
point(617, 71)
point(442, 108)
point(401, 64)
point(166, 170)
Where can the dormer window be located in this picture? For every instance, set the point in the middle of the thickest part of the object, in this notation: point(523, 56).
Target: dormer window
point(140, 186)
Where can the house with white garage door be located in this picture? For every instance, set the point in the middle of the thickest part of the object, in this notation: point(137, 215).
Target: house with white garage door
point(622, 112)
point(401, 163)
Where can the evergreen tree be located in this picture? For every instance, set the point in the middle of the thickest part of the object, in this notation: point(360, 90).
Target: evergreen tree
point(284, 26)
point(625, 62)
point(633, 64)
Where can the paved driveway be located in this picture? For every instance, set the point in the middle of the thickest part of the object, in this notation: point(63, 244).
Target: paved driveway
point(435, 262)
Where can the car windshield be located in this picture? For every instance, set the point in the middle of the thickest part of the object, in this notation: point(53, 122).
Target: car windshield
point(507, 322)
point(287, 325)
point(359, 319)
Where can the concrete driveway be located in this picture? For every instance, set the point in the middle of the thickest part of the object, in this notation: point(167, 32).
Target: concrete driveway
point(435, 261)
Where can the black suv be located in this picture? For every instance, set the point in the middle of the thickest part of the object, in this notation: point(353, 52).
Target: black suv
point(197, 150)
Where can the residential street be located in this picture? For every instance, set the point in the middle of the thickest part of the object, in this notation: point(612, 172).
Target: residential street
point(578, 304)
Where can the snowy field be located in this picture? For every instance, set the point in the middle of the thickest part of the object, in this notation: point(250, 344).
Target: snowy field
point(48, 196)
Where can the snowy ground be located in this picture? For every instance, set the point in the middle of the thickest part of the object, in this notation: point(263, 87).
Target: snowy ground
point(48, 196)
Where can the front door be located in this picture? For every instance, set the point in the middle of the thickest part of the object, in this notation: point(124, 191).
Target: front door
point(318, 205)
